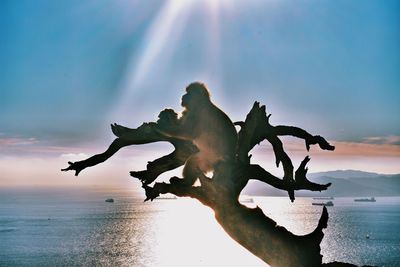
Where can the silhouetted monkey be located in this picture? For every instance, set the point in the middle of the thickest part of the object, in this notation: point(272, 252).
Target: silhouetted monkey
point(208, 127)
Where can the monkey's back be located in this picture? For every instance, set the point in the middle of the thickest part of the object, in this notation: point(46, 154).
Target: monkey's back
point(217, 135)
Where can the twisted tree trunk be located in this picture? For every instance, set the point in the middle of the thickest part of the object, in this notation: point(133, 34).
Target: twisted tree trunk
point(250, 227)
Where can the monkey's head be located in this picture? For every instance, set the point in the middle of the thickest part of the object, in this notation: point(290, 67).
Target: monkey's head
point(167, 118)
point(196, 95)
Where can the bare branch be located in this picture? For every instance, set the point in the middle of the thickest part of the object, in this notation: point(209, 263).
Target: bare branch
point(145, 134)
point(166, 163)
point(116, 145)
point(303, 182)
point(256, 172)
point(287, 165)
point(300, 133)
point(252, 131)
point(178, 189)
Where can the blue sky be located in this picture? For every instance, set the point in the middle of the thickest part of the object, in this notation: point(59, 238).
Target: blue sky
point(70, 68)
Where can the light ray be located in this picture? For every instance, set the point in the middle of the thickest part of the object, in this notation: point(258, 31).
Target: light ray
point(164, 32)
point(159, 44)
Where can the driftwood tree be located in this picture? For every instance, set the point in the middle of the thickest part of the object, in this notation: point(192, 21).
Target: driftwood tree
point(252, 229)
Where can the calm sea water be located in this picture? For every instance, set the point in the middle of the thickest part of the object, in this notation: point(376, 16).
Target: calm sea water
point(78, 228)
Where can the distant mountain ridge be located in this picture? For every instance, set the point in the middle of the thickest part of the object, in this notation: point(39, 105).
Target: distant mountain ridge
point(345, 183)
point(345, 174)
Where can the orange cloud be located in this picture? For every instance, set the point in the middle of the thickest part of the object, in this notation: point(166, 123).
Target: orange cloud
point(391, 139)
point(367, 150)
point(16, 141)
point(380, 158)
point(342, 149)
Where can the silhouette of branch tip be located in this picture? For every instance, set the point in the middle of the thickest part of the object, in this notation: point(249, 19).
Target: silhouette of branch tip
point(74, 166)
point(179, 188)
point(150, 192)
point(239, 123)
point(303, 182)
point(300, 183)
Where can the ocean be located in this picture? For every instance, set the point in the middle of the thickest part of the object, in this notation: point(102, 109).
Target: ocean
point(76, 227)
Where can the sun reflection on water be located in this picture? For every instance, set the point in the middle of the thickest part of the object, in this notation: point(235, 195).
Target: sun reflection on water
point(188, 235)
point(77, 228)
point(182, 232)
point(299, 217)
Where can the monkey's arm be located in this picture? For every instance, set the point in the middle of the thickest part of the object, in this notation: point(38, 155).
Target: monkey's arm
point(178, 132)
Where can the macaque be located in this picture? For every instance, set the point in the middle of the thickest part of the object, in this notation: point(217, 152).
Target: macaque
point(202, 124)
point(208, 127)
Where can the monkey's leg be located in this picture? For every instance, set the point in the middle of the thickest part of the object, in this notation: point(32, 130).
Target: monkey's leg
point(191, 171)
point(159, 166)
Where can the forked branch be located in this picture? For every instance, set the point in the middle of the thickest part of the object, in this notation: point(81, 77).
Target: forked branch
point(257, 128)
point(250, 227)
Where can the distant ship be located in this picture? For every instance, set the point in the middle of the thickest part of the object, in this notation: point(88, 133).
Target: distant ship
point(372, 199)
point(110, 200)
point(246, 200)
point(166, 197)
point(327, 204)
point(323, 197)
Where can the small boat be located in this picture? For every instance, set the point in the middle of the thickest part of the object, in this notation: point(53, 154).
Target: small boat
point(110, 200)
point(331, 198)
point(372, 199)
point(166, 197)
point(246, 200)
point(327, 204)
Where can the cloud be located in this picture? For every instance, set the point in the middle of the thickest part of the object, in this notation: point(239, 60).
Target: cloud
point(391, 140)
point(17, 141)
point(368, 150)
point(375, 147)
point(74, 156)
point(37, 171)
point(28, 146)
point(381, 158)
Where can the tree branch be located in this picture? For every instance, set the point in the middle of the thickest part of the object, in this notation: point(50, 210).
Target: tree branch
point(145, 134)
point(178, 189)
point(287, 164)
point(116, 145)
point(257, 128)
point(300, 133)
point(256, 172)
point(250, 227)
point(303, 182)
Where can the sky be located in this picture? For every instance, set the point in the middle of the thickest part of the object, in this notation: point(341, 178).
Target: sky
point(70, 68)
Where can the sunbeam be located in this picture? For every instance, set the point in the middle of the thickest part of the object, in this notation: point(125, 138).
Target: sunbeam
point(164, 32)
point(158, 37)
point(160, 43)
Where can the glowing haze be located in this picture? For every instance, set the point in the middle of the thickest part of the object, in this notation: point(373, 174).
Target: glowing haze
point(71, 68)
